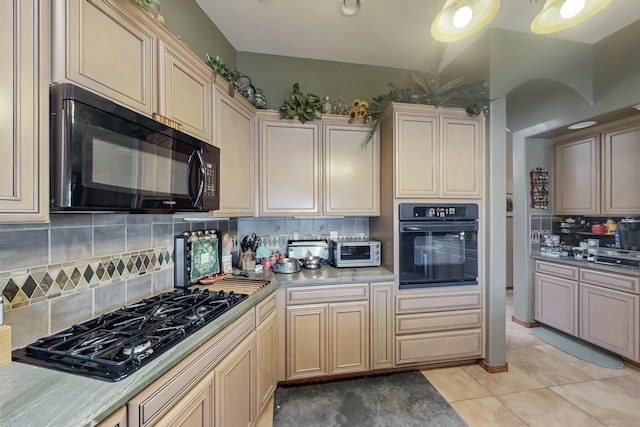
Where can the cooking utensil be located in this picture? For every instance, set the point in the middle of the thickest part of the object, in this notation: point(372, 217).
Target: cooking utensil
point(237, 272)
point(286, 265)
point(311, 262)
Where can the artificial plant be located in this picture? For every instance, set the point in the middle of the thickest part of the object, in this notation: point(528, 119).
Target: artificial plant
point(305, 107)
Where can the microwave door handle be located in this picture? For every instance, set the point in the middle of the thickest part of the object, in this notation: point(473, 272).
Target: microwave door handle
point(198, 157)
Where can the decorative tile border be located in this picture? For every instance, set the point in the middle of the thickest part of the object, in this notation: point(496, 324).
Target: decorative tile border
point(29, 286)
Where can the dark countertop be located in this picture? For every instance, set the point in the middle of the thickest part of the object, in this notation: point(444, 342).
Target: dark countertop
point(583, 263)
point(38, 397)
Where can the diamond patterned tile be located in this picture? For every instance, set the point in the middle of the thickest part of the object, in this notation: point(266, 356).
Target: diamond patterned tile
point(161, 259)
point(146, 261)
point(130, 264)
point(120, 267)
point(20, 300)
point(76, 276)
point(62, 278)
point(154, 259)
point(100, 271)
point(88, 273)
point(138, 262)
point(54, 291)
point(29, 286)
point(111, 268)
point(46, 282)
point(10, 291)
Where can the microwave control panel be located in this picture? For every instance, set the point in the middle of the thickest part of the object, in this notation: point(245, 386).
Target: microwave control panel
point(209, 180)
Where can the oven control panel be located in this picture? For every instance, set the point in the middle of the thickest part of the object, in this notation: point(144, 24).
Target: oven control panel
point(413, 211)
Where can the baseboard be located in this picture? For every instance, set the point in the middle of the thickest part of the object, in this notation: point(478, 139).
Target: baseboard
point(533, 324)
point(493, 369)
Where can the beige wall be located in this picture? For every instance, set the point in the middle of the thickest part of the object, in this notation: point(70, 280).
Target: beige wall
point(277, 74)
point(186, 19)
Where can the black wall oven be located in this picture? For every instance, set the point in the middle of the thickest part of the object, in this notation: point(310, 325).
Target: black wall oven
point(438, 245)
point(106, 157)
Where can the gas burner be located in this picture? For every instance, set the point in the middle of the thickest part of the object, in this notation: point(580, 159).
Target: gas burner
point(196, 314)
point(136, 348)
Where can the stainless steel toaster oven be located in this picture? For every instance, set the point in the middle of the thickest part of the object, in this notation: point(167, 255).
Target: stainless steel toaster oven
point(354, 253)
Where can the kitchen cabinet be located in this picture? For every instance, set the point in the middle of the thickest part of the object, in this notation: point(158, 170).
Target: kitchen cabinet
point(115, 49)
point(334, 172)
point(351, 174)
point(290, 167)
point(576, 176)
point(24, 101)
point(610, 319)
point(382, 325)
point(267, 353)
point(438, 151)
point(98, 45)
point(185, 89)
point(117, 419)
point(432, 325)
point(620, 173)
point(235, 135)
point(194, 409)
point(327, 330)
point(235, 386)
point(556, 302)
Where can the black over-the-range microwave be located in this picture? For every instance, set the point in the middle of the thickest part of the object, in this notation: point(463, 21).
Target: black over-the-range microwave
point(106, 157)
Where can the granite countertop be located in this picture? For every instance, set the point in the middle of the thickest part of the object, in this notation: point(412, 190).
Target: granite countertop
point(583, 263)
point(38, 397)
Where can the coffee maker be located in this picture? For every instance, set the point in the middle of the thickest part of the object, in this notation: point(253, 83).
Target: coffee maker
point(629, 229)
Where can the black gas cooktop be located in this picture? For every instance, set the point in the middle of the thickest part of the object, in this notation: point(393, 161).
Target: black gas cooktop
point(116, 344)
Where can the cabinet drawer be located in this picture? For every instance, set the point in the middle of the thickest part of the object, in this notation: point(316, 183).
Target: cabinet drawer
point(423, 302)
point(152, 402)
point(611, 280)
point(328, 293)
point(439, 321)
point(556, 269)
point(438, 346)
point(265, 308)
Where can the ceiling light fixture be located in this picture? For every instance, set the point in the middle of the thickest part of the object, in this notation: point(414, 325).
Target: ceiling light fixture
point(351, 8)
point(582, 125)
point(558, 15)
point(460, 19)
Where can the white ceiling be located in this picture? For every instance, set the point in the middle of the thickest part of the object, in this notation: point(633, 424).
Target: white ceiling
point(391, 33)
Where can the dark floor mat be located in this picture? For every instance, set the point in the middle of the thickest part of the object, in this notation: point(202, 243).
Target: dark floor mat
point(403, 399)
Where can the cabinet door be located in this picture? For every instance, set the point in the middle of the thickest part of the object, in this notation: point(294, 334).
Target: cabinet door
point(97, 46)
point(382, 331)
point(349, 337)
point(24, 102)
point(610, 319)
point(576, 166)
point(194, 409)
point(289, 168)
point(235, 386)
point(418, 155)
point(351, 170)
point(438, 346)
point(235, 135)
point(461, 147)
point(117, 419)
point(557, 302)
point(185, 93)
point(266, 343)
point(620, 172)
point(307, 341)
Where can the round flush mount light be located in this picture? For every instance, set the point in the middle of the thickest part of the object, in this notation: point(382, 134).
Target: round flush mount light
point(350, 7)
point(582, 125)
point(558, 15)
point(460, 19)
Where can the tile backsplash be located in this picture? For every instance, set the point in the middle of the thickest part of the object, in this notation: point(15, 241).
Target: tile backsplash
point(82, 265)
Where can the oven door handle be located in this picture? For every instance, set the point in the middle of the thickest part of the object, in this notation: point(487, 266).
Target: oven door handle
point(459, 226)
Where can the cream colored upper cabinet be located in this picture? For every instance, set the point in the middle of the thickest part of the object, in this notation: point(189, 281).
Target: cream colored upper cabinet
point(235, 135)
point(24, 101)
point(417, 155)
point(620, 172)
point(438, 152)
point(461, 156)
point(351, 170)
point(98, 46)
point(289, 167)
point(576, 176)
point(185, 94)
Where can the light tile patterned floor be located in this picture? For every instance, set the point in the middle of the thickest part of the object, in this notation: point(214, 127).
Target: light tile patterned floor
point(544, 387)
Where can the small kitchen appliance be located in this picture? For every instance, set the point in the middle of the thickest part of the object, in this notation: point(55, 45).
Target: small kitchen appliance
point(301, 249)
point(354, 253)
point(629, 229)
point(106, 157)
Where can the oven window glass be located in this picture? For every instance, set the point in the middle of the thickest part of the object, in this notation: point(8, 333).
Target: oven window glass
point(355, 252)
point(122, 164)
point(438, 258)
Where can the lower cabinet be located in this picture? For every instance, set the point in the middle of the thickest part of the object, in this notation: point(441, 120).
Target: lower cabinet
point(194, 409)
point(329, 334)
point(610, 319)
point(557, 302)
point(436, 326)
point(266, 346)
point(381, 325)
point(235, 386)
point(117, 419)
